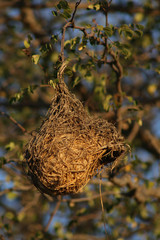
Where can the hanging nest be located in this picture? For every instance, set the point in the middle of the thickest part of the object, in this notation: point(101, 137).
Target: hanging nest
point(70, 146)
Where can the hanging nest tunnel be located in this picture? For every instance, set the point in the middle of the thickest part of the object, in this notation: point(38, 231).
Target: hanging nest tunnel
point(70, 146)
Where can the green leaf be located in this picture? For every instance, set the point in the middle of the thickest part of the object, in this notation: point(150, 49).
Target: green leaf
point(126, 30)
point(11, 195)
point(54, 39)
point(69, 71)
point(63, 10)
point(9, 215)
point(94, 6)
point(106, 103)
point(140, 122)
point(130, 99)
point(23, 91)
point(97, 6)
point(130, 32)
point(117, 44)
point(63, 4)
point(45, 49)
point(59, 6)
point(139, 33)
point(66, 14)
point(10, 146)
point(123, 49)
point(76, 81)
point(54, 12)
point(31, 88)
point(39, 235)
point(126, 52)
point(35, 58)
point(88, 25)
point(100, 27)
point(83, 44)
point(139, 27)
point(108, 31)
point(72, 42)
point(138, 17)
point(53, 83)
point(91, 6)
point(26, 43)
point(21, 216)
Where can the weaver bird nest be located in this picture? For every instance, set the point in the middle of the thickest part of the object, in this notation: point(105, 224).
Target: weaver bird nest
point(70, 146)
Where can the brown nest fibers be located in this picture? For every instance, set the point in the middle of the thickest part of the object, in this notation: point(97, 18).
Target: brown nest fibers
point(70, 146)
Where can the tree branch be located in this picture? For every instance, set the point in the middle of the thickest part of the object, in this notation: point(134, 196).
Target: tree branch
point(117, 67)
point(62, 57)
point(139, 192)
point(64, 29)
point(152, 142)
point(133, 132)
point(53, 214)
point(115, 64)
point(14, 121)
point(75, 9)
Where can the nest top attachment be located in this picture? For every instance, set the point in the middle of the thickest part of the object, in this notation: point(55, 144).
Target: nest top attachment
point(70, 146)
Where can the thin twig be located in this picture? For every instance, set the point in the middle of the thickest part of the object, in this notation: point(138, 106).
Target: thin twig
point(117, 67)
point(81, 29)
point(30, 204)
point(133, 132)
point(115, 64)
point(53, 213)
point(75, 9)
point(64, 30)
point(63, 39)
point(109, 3)
point(44, 85)
point(87, 199)
point(105, 7)
point(103, 211)
point(6, 191)
point(14, 121)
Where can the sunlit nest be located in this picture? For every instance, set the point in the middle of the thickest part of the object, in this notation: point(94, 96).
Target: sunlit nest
point(70, 147)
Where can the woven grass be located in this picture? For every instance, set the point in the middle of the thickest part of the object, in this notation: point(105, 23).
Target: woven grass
point(70, 146)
